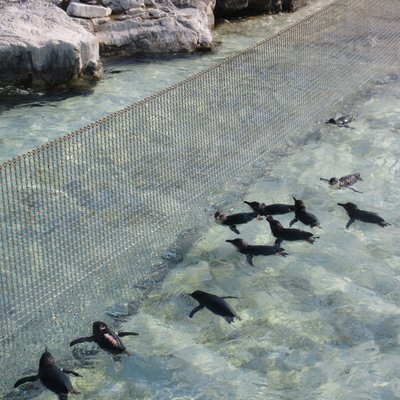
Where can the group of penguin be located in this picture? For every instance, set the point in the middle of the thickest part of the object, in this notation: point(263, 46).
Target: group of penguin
point(56, 379)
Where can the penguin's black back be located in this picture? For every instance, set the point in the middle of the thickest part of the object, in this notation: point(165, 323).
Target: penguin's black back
point(240, 218)
point(369, 216)
point(55, 380)
point(219, 306)
point(307, 218)
point(216, 304)
point(261, 250)
point(276, 209)
point(294, 234)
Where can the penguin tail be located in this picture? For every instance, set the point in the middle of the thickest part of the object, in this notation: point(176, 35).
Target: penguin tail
point(384, 223)
point(312, 239)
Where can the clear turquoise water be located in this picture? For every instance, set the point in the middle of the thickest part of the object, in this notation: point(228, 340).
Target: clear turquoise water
point(321, 323)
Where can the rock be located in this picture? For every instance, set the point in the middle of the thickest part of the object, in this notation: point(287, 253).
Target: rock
point(206, 6)
point(225, 8)
point(167, 34)
point(87, 11)
point(293, 5)
point(120, 6)
point(39, 43)
point(159, 27)
point(236, 8)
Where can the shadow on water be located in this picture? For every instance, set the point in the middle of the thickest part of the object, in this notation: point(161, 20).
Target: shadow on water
point(25, 96)
point(31, 97)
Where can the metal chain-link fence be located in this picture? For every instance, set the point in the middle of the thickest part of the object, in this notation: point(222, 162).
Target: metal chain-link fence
point(85, 219)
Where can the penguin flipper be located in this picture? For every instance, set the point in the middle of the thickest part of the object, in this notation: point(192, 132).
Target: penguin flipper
point(229, 297)
point(68, 371)
point(122, 334)
point(293, 221)
point(354, 190)
point(25, 379)
point(351, 220)
point(234, 229)
point(249, 259)
point(82, 340)
point(194, 311)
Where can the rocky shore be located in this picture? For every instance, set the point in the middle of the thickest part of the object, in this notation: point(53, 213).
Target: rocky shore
point(53, 42)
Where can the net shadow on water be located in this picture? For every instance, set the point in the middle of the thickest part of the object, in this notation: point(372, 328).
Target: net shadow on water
point(86, 219)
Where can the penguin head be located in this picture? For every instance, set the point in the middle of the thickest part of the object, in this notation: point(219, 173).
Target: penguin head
point(220, 216)
point(348, 206)
point(334, 181)
point(269, 218)
point(299, 204)
point(239, 243)
point(99, 327)
point(331, 121)
point(254, 205)
point(198, 295)
point(46, 359)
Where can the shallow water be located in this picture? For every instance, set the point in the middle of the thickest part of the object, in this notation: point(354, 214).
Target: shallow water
point(28, 120)
point(321, 323)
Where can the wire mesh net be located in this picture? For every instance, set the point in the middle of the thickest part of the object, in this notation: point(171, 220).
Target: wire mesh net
point(85, 219)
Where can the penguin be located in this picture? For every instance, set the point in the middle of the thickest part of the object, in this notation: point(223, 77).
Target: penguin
point(234, 219)
point(215, 304)
point(346, 181)
point(271, 209)
point(366, 216)
point(53, 377)
point(303, 216)
point(341, 121)
point(290, 234)
point(251, 250)
point(106, 338)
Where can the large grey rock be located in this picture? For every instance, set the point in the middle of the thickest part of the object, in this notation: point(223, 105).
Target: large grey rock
point(87, 11)
point(40, 43)
point(157, 33)
point(159, 27)
point(206, 6)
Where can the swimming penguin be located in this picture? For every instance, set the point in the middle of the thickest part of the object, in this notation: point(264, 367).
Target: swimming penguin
point(234, 219)
point(290, 234)
point(302, 215)
point(253, 250)
point(106, 338)
point(346, 181)
point(215, 304)
point(271, 209)
point(366, 216)
point(53, 377)
point(341, 121)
